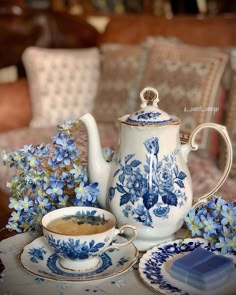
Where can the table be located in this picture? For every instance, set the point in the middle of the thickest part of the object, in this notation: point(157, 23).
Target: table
point(14, 280)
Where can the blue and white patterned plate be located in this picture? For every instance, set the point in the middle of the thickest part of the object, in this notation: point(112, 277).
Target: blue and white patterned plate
point(154, 264)
point(39, 259)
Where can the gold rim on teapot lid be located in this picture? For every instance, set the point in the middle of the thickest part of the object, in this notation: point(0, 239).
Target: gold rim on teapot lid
point(149, 114)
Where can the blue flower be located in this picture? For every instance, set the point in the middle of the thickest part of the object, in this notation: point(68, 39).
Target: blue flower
point(127, 210)
point(43, 203)
point(66, 125)
point(166, 179)
point(27, 149)
point(219, 224)
point(136, 184)
point(15, 216)
point(68, 180)
point(63, 157)
point(231, 243)
point(190, 217)
point(46, 179)
point(158, 181)
point(65, 151)
point(224, 230)
point(55, 187)
point(211, 238)
point(63, 200)
point(143, 215)
point(64, 142)
point(127, 170)
point(108, 154)
point(196, 227)
point(42, 150)
point(26, 203)
point(53, 163)
point(223, 245)
point(229, 215)
point(37, 254)
point(209, 225)
point(13, 226)
point(86, 193)
point(84, 175)
point(152, 145)
point(15, 203)
point(77, 170)
point(33, 161)
point(216, 204)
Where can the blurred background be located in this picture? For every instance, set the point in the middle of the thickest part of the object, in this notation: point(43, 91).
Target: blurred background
point(155, 7)
point(83, 24)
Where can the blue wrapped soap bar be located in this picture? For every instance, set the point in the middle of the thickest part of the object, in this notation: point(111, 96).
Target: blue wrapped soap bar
point(202, 269)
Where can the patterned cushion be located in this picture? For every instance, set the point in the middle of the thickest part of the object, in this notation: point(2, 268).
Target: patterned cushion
point(120, 67)
point(188, 80)
point(15, 98)
point(63, 83)
point(230, 118)
point(108, 133)
point(201, 165)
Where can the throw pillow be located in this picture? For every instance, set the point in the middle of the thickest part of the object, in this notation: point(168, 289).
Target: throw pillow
point(188, 80)
point(15, 105)
point(230, 120)
point(63, 83)
point(120, 68)
point(108, 133)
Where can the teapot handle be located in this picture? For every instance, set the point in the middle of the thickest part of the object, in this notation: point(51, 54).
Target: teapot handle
point(194, 146)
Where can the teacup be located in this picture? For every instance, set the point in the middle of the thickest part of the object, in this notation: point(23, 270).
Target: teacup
point(79, 235)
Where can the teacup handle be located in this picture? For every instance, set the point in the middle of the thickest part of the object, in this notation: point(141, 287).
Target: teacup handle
point(121, 231)
point(194, 146)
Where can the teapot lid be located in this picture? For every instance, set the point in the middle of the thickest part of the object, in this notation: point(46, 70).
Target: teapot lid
point(150, 114)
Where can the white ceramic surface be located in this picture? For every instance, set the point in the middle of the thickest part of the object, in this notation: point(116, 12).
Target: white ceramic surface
point(39, 259)
point(82, 251)
point(153, 269)
point(148, 183)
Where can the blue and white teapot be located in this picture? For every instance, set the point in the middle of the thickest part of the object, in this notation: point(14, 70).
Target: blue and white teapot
point(147, 184)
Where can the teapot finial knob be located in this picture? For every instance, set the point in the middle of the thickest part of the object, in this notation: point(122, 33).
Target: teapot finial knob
point(149, 96)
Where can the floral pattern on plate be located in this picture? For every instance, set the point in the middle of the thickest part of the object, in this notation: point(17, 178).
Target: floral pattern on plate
point(153, 268)
point(39, 259)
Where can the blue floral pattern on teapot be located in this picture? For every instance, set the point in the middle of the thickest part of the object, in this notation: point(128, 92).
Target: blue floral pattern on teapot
point(148, 183)
point(159, 184)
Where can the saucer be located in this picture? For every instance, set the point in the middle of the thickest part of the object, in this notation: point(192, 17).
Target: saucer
point(153, 268)
point(39, 259)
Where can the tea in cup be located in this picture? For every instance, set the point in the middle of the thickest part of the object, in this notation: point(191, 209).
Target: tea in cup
point(79, 235)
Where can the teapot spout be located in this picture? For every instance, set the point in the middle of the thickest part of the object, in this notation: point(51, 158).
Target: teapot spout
point(98, 168)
